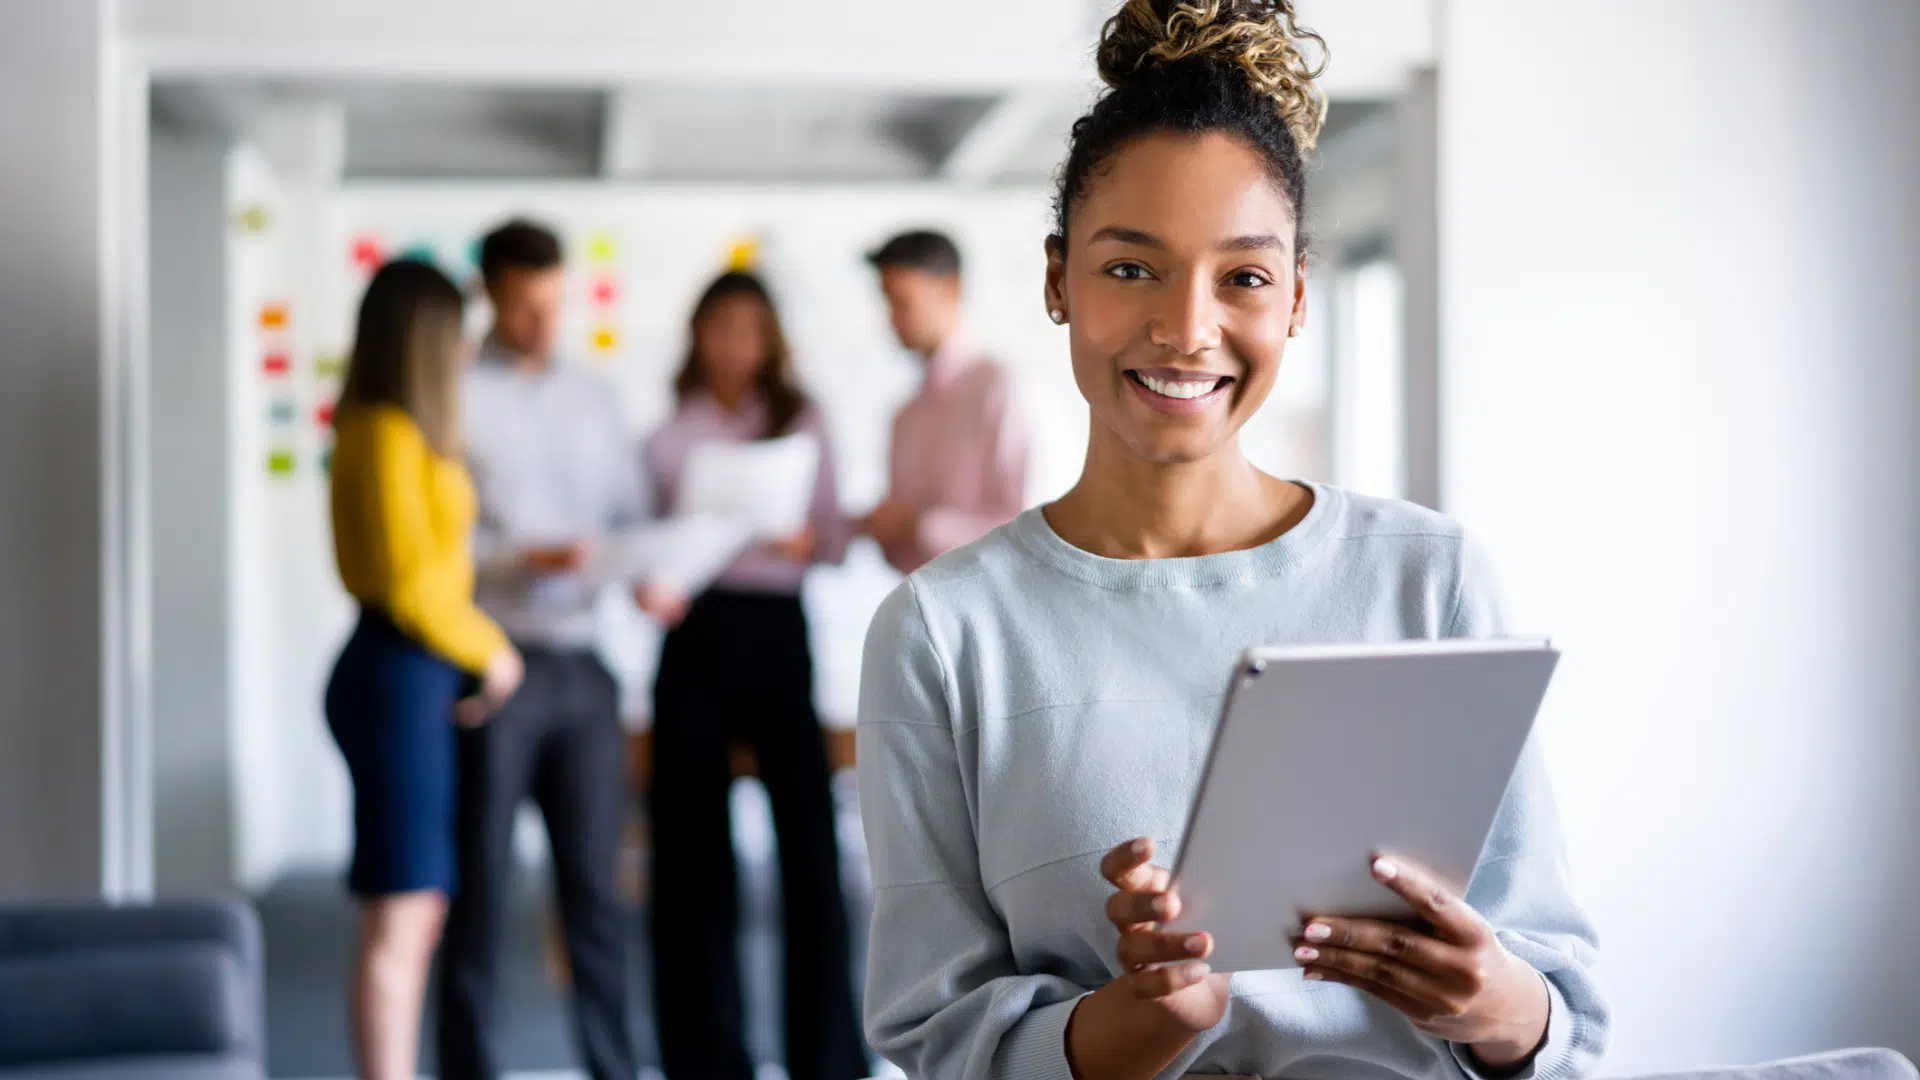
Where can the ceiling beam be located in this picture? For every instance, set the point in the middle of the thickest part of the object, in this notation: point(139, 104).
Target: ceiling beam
point(626, 137)
point(987, 147)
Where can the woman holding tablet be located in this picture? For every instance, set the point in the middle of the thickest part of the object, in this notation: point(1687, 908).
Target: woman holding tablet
point(1037, 707)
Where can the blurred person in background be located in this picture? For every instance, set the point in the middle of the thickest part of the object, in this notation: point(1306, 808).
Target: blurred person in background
point(554, 465)
point(958, 463)
point(403, 510)
point(739, 667)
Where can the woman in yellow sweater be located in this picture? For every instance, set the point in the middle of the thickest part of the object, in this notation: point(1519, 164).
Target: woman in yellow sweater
point(422, 654)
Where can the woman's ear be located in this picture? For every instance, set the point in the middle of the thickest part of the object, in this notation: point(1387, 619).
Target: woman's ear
point(1299, 320)
point(1055, 290)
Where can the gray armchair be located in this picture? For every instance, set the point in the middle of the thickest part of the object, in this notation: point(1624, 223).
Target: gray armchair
point(90, 992)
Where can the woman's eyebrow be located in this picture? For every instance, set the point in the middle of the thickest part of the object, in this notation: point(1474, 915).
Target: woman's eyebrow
point(1253, 242)
point(1249, 242)
point(1125, 235)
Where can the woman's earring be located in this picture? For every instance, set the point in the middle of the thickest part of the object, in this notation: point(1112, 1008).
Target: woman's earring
point(1059, 317)
point(1293, 331)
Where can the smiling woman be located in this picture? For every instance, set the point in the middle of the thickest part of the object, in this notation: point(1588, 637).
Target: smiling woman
point(1035, 708)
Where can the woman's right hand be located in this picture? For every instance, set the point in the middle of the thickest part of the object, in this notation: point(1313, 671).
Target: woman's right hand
point(1138, 1023)
point(502, 677)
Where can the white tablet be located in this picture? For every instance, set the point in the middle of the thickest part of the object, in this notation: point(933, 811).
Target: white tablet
point(1327, 756)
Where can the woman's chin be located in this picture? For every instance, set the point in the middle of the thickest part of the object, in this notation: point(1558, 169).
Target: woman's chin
point(1159, 449)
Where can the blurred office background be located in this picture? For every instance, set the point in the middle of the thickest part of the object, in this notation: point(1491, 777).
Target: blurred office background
point(1626, 286)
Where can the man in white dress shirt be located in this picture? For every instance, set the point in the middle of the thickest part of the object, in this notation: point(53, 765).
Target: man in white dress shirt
point(557, 474)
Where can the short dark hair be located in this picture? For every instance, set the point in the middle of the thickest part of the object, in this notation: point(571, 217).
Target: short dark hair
point(518, 245)
point(922, 249)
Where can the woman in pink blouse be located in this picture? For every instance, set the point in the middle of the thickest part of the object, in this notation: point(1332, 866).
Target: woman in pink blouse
point(738, 666)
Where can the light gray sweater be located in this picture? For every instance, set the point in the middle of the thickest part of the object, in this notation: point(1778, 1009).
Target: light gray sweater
point(1026, 705)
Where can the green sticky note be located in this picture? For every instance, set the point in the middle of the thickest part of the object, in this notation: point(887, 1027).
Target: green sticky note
point(330, 366)
point(326, 462)
point(280, 463)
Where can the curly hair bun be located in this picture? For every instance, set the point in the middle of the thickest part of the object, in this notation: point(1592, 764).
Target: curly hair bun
point(1262, 38)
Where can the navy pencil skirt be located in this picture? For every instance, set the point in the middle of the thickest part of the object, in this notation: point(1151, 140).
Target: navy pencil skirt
point(390, 708)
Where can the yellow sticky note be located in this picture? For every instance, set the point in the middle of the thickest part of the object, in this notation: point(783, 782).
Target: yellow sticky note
point(602, 248)
point(606, 339)
point(743, 255)
point(254, 218)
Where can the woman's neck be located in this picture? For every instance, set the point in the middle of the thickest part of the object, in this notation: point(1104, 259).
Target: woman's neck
point(730, 398)
point(1125, 507)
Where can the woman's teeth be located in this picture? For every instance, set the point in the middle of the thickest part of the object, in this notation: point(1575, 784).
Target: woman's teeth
point(1185, 389)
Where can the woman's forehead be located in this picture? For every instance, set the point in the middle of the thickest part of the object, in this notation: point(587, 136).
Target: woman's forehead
point(1187, 191)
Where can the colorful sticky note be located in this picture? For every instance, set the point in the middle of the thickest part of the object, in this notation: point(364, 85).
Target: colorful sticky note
point(743, 254)
point(326, 461)
point(605, 339)
point(602, 248)
point(282, 412)
point(604, 290)
point(368, 253)
point(276, 363)
point(330, 366)
point(280, 463)
point(273, 315)
point(323, 414)
point(254, 218)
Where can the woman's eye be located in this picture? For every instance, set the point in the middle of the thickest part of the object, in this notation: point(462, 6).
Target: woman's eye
point(1247, 279)
point(1128, 272)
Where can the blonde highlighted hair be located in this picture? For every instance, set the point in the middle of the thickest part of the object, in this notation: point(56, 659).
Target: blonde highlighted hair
point(1245, 67)
point(407, 351)
point(1263, 38)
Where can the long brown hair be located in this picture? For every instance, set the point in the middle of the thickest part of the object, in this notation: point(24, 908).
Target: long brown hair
point(774, 379)
point(406, 350)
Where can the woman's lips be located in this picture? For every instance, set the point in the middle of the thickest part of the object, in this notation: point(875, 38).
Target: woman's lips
point(1178, 392)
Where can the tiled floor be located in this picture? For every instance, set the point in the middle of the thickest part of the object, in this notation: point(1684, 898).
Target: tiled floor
point(309, 929)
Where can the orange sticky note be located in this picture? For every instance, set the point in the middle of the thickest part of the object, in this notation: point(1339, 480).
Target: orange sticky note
point(273, 316)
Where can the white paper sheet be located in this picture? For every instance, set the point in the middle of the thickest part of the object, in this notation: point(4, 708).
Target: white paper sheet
point(686, 552)
point(767, 484)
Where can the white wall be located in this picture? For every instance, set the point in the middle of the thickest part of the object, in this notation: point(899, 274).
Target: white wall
point(1681, 400)
point(193, 812)
point(51, 815)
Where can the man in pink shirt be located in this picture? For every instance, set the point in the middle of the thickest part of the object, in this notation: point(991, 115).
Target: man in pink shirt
point(958, 467)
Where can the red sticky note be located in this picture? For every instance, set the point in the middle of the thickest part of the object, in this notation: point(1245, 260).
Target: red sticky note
point(368, 253)
point(277, 364)
point(604, 291)
point(273, 316)
point(323, 414)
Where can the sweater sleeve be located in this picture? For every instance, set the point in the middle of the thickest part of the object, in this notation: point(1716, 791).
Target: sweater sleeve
point(1520, 885)
point(426, 588)
point(946, 998)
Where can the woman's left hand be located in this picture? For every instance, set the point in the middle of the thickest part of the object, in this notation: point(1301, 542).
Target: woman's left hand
point(800, 547)
point(1452, 977)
